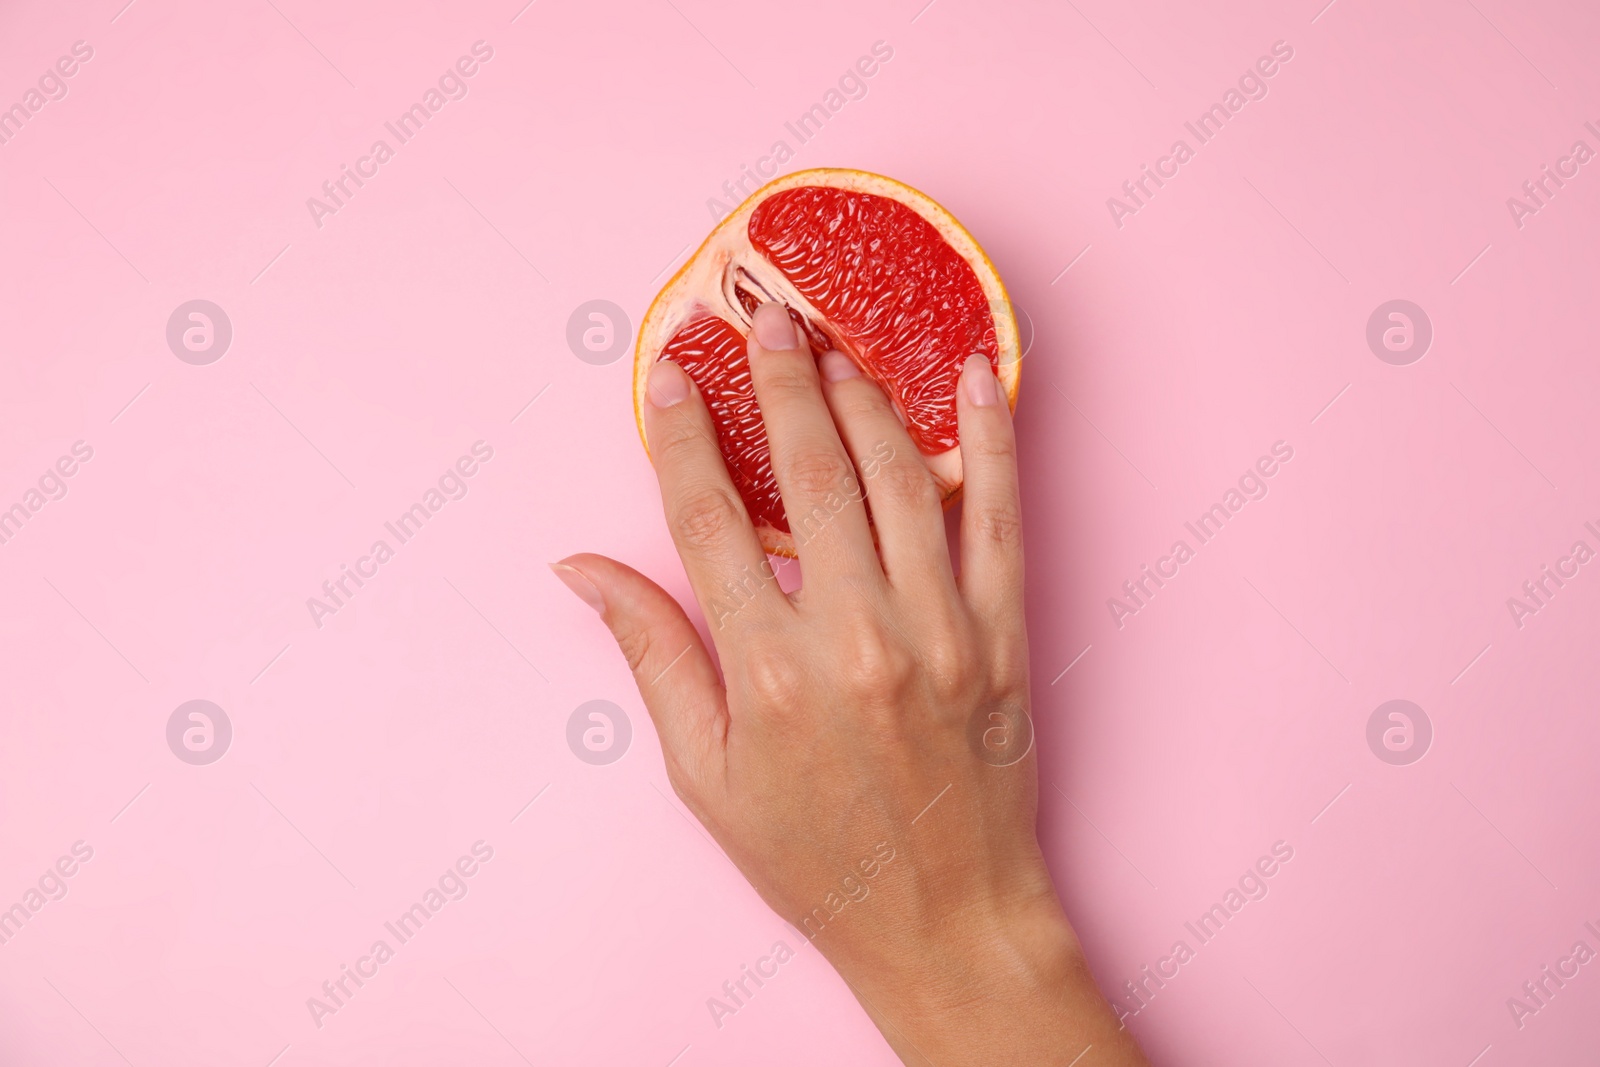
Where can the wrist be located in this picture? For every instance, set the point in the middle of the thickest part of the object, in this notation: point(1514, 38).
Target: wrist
point(1018, 953)
point(1005, 984)
point(1024, 950)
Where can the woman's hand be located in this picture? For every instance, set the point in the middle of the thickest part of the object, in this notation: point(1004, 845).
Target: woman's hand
point(866, 756)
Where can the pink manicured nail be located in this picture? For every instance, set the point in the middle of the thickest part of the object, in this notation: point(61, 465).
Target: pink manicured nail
point(773, 328)
point(838, 367)
point(574, 580)
point(982, 388)
point(669, 384)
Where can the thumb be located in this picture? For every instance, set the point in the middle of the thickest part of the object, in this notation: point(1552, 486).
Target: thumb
point(670, 665)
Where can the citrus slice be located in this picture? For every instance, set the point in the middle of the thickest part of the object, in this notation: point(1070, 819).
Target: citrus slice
point(867, 266)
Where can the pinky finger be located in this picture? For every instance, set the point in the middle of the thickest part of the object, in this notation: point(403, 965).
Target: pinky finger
point(991, 511)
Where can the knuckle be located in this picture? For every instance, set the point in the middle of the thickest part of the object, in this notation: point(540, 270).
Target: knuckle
point(1008, 665)
point(951, 666)
point(904, 482)
point(993, 447)
point(635, 643)
point(706, 518)
point(817, 472)
point(675, 440)
point(772, 677)
point(855, 405)
point(863, 405)
point(876, 667)
point(999, 526)
point(789, 379)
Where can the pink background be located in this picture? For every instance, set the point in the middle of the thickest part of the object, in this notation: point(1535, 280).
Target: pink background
point(368, 354)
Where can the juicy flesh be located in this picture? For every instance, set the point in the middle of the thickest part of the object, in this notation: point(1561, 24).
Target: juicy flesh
point(890, 292)
point(712, 353)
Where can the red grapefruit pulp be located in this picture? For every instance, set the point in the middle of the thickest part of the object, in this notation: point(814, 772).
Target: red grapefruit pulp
point(865, 265)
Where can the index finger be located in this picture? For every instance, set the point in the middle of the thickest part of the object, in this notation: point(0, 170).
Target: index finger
point(710, 526)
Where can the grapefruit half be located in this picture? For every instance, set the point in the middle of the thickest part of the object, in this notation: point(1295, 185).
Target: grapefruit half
point(866, 265)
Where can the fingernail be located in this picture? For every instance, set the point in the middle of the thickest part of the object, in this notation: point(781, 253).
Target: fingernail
point(574, 580)
point(838, 367)
point(669, 384)
point(982, 388)
point(774, 330)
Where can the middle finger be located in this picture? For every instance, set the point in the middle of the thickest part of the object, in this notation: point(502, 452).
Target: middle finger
point(821, 493)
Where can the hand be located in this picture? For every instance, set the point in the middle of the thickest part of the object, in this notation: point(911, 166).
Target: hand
point(866, 756)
